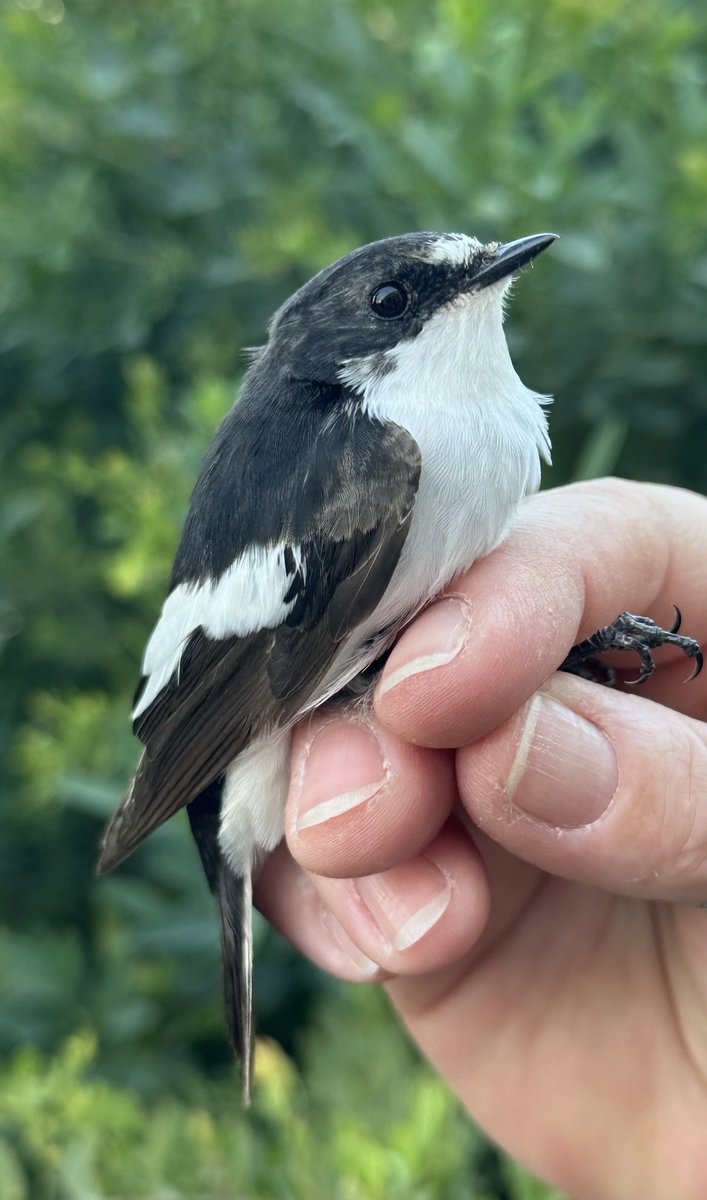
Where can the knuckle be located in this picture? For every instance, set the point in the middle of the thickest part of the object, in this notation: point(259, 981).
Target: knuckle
point(612, 488)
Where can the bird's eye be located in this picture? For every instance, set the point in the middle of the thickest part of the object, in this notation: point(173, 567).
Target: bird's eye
point(389, 300)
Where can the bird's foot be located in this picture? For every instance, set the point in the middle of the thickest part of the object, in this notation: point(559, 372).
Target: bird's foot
point(629, 632)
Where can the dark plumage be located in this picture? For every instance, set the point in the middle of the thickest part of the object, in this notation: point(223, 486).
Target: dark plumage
point(295, 570)
point(346, 503)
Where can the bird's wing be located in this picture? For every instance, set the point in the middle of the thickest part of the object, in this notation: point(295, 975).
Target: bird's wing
point(240, 655)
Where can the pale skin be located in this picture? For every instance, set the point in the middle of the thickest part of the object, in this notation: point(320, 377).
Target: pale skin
point(519, 854)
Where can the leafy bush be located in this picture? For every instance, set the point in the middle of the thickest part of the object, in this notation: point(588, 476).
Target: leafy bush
point(390, 1130)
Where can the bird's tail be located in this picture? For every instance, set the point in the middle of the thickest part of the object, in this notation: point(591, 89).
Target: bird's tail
point(235, 893)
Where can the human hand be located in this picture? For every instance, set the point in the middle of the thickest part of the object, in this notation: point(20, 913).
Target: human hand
point(530, 900)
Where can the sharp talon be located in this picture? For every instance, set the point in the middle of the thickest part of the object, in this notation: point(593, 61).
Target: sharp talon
point(631, 632)
point(642, 678)
point(647, 668)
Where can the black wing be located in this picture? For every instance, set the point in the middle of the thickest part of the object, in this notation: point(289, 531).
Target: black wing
point(352, 491)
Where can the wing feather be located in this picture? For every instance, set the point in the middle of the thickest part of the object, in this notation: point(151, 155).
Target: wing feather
point(228, 691)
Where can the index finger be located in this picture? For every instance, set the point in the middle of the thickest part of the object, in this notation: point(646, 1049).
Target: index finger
point(577, 557)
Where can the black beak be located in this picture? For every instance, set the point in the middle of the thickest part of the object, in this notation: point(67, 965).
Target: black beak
point(511, 257)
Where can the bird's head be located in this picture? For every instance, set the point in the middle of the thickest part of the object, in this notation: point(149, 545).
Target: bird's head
point(353, 316)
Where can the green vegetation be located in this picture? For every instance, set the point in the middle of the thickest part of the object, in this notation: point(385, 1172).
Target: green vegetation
point(64, 1135)
point(169, 172)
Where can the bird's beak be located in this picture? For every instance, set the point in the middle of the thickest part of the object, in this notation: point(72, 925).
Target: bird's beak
point(510, 257)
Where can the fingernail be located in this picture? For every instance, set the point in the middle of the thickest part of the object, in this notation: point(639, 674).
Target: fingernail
point(406, 901)
point(565, 770)
point(437, 636)
point(362, 966)
point(338, 752)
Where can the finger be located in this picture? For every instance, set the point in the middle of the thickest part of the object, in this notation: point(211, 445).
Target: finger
point(596, 786)
point(285, 894)
point(419, 916)
point(361, 799)
point(577, 558)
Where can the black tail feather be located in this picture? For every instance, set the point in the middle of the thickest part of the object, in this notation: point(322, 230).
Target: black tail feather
point(234, 894)
point(205, 818)
point(236, 904)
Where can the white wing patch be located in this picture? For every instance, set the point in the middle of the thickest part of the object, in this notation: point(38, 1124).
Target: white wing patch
point(249, 596)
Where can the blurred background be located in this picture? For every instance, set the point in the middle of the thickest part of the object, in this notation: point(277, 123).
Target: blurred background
point(169, 172)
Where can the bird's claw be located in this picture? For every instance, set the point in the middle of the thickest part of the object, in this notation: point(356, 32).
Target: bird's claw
point(631, 632)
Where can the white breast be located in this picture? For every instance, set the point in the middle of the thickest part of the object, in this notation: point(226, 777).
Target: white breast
point(481, 434)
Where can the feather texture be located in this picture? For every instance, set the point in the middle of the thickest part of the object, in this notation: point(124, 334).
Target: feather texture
point(367, 463)
point(229, 691)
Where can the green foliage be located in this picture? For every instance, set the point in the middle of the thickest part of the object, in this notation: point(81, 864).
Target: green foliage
point(169, 173)
point(67, 1135)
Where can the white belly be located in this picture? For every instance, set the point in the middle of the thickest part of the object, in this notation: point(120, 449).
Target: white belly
point(480, 456)
point(481, 434)
point(475, 471)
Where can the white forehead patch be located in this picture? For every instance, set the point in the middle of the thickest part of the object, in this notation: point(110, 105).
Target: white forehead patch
point(454, 249)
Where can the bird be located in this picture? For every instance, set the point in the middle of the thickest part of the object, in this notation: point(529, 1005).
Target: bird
point(381, 444)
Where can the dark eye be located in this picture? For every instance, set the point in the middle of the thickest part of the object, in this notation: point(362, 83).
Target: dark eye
point(389, 300)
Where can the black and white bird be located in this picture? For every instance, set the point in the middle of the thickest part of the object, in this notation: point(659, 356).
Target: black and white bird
point(381, 444)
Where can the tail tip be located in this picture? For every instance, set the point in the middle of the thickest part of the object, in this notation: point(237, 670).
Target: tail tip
point(247, 1086)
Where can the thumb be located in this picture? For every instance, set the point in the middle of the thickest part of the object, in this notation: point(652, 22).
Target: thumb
point(597, 786)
